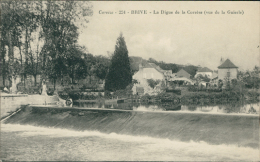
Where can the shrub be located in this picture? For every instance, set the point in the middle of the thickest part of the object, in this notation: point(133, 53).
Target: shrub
point(152, 83)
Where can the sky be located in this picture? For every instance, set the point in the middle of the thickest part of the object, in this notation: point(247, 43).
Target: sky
point(196, 39)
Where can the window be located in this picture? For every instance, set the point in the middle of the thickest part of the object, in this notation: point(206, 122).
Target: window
point(228, 74)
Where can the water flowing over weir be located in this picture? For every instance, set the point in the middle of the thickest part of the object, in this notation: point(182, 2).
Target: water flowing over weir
point(214, 129)
point(26, 143)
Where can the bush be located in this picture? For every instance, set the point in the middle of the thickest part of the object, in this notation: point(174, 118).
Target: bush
point(145, 97)
point(152, 83)
point(74, 95)
point(108, 95)
point(192, 88)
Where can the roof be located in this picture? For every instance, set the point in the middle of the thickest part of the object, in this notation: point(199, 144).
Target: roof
point(227, 64)
point(205, 69)
point(153, 65)
point(182, 71)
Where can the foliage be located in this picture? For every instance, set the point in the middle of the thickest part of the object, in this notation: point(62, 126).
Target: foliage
point(220, 83)
point(119, 75)
point(202, 78)
point(161, 97)
point(163, 85)
point(51, 27)
point(75, 65)
point(251, 79)
point(165, 66)
point(134, 81)
point(191, 69)
point(100, 67)
point(152, 83)
point(171, 85)
point(194, 88)
point(124, 93)
point(168, 96)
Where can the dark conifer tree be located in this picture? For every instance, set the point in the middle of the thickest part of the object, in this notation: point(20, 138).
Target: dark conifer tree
point(119, 75)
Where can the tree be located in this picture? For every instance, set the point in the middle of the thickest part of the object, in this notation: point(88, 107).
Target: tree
point(119, 75)
point(75, 64)
point(251, 79)
point(101, 67)
point(55, 25)
point(59, 31)
point(153, 83)
point(165, 66)
point(220, 83)
point(191, 69)
point(204, 78)
point(10, 33)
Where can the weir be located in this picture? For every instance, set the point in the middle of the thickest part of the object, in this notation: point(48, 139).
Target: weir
point(214, 129)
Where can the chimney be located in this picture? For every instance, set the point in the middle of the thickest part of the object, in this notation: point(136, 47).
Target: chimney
point(221, 61)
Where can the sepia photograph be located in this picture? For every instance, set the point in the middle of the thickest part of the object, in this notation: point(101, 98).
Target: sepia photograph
point(130, 81)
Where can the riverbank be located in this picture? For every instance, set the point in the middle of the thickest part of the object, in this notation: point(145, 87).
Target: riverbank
point(213, 129)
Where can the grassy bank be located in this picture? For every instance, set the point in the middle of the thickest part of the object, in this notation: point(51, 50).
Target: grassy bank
point(214, 129)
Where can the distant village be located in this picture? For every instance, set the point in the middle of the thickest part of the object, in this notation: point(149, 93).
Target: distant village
point(204, 76)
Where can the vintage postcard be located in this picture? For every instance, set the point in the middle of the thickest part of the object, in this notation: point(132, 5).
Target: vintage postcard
point(130, 81)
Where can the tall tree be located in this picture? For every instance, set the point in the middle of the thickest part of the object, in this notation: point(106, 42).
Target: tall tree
point(10, 20)
point(119, 75)
point(59, 31)
point(56, 25)
point(75, 64)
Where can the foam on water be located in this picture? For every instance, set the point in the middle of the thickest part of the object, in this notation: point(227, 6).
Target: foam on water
point(185, 149)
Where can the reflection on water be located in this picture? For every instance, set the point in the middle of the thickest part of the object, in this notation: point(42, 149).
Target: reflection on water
point(229, 108)
point(169, 106)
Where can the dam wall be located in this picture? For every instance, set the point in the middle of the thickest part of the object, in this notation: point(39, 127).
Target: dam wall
point(238, 130)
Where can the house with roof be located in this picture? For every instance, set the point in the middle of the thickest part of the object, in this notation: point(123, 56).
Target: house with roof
point(227, 70)
point(182, 73)
point(149, 71)
point(204, 72)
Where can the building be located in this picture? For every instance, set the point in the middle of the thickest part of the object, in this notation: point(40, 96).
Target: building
point(206, 72)
point(183, 73)
point(227, 70)
point(149, 71)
